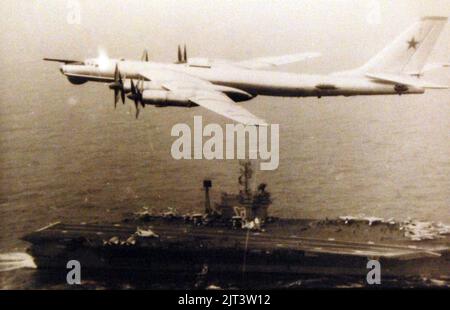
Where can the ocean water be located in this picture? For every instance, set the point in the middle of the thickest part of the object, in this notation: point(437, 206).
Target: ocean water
point(66, 154)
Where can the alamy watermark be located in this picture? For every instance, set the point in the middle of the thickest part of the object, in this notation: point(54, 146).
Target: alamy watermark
point(74, 12)
point(238, 142)
point(374, 275)
point(373, 16)
point(74, 274)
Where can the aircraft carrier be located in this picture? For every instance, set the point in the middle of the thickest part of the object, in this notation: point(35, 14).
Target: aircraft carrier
point(238, 236)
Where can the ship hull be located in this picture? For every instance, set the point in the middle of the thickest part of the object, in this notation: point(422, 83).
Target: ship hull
point(284, 248)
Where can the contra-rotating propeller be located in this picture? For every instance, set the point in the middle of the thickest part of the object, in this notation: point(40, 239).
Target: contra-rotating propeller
point(182, 55)
point(136, 94)
point(117, 86)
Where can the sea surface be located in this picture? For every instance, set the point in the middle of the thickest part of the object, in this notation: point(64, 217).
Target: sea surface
point(67, 154)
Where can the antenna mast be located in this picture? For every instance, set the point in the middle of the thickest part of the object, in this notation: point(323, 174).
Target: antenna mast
point(244, 179)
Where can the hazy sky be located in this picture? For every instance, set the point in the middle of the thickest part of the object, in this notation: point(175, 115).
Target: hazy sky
point(346, 32)
point(383, 155)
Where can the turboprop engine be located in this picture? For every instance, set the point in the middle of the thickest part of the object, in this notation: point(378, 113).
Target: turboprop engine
point(181, 97)
point(164, 98)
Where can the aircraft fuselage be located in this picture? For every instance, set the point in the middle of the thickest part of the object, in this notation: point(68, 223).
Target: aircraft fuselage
point(255, 82)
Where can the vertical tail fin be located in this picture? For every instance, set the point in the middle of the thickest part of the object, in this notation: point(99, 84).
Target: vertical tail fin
point(409, 52)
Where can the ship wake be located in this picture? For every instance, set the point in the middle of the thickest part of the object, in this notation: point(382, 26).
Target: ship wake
point(12, 261)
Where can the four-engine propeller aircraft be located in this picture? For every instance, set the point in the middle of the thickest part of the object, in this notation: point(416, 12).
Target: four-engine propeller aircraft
point(218, 84)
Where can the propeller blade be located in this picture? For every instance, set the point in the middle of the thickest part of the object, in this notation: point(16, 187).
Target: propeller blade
point(122, 95)
point(120, 82)
point(133, 89)
point(138, 88)
point(116, 73)
point(115, 84)
point(141, 91)
point(136, 95)
point(137, 108)
point(185, 54)
point(116, 97)
point(180, 57)
point(119, 76)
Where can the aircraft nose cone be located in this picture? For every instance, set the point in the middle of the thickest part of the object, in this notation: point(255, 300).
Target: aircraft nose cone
point(61, 69)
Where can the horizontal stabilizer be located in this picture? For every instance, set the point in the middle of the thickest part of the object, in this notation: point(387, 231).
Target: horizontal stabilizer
point(65, 61)
point(405, 80)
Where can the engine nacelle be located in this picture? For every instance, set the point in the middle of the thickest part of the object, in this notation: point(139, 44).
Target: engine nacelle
point(76, 80)
point(180, 98)
point(168, 98)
